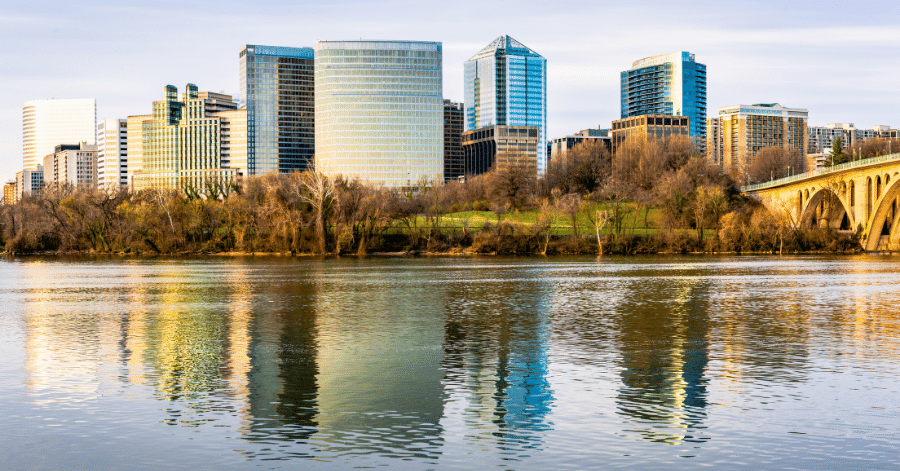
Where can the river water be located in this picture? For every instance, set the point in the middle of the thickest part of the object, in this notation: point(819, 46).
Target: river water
point(450, 363)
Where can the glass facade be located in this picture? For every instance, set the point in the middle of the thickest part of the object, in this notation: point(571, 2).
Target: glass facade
point(379, 107)
point(669, 84)
point(506, 84)
point(276, 89)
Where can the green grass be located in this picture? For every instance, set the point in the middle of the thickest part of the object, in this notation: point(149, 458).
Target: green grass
point(562, 224)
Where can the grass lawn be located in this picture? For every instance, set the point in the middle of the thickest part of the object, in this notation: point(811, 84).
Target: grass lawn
point(562, 224)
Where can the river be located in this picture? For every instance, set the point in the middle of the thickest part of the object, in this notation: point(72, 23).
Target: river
point(450, 363)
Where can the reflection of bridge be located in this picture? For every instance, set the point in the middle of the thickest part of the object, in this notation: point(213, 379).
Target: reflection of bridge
point(856, 196)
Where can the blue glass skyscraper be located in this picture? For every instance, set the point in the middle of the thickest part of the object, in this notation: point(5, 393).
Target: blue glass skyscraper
point(506, 84)
point(277, 89)
point(670, 84)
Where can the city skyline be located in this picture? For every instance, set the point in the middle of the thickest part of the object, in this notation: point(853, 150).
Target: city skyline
point(833, 65)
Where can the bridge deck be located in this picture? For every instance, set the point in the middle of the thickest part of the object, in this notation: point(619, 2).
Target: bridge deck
point(822, 171)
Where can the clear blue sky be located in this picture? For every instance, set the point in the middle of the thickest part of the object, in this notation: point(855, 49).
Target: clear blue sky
point(838, 59)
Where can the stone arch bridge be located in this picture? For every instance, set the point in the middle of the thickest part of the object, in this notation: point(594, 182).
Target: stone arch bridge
point(861, 196)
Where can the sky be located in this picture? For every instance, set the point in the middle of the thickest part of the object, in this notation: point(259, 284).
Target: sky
point(838, 59)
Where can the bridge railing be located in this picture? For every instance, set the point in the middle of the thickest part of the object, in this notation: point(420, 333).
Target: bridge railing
point(822, 171)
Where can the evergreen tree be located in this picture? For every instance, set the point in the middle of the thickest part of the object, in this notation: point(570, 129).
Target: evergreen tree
point(837, 153)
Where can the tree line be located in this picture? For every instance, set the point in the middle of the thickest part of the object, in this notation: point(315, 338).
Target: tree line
point(651, 196)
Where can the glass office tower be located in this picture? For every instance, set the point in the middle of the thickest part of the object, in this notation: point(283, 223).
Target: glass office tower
point(506, 84)
point(670, 84)
point(276, 88)
point(379, 111)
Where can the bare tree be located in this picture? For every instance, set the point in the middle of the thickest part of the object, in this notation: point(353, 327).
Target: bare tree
point(874, 147)
point(318, 191)
point(771, 163)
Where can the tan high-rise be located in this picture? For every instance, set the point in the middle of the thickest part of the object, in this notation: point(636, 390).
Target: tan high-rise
point(743, 130)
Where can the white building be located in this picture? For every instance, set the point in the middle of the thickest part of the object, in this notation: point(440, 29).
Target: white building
point(72, 164)
point(112, 153)
point(49, 123)
point(823, 137)
point(29, 181)
point(379, 111)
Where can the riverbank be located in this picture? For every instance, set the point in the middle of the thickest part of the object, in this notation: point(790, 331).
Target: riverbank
point(524, 245)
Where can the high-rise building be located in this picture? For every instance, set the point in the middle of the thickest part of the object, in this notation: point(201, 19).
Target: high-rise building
point(276, 89)
point(48, 123)
point(379, 110)
point(112, 153)
point(454, 165)
point(506, 84)
point(73, 164)
point(669, 84)
point(134, 144)
point(653, 126)
point(187, 142)
point(744, 130)
point(500, 147)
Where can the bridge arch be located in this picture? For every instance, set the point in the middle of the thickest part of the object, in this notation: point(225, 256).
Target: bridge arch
point(824, 208)
point(883, 228)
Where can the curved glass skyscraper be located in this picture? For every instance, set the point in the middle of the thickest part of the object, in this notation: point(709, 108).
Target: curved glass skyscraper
point(506, 84)
point(379, 110)
point(669, 84)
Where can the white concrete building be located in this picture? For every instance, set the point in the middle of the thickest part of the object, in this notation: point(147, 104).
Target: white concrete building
point(72, 164)
point(49, 123)
point(29, 181)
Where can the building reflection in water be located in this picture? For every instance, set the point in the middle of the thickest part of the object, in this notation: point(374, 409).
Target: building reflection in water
point(664, 346)
point(379, 354)
point(282, 380)
point(496, 337)
point(63, 350)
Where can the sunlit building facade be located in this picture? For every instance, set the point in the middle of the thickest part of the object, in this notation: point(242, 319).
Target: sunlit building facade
point(74, 165)
point(506, 84)
point(379, 111)
point(188, 143)
point(669, 84)
point(30, 181)
point(653, 126)
point(276, 89)
point(744, 130)
point(49, 123)
point(134, 146)
point(112, 153)
point(9, 192)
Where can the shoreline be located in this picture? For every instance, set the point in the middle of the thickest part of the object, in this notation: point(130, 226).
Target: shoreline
point(418, 254)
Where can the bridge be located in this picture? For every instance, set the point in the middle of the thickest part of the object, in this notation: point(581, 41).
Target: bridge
point(856, 197)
